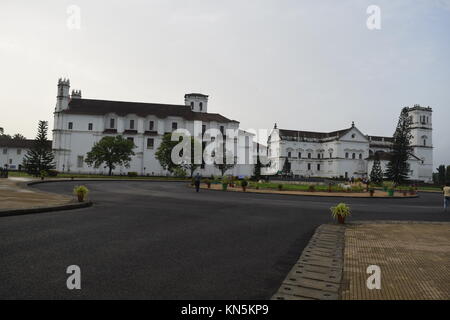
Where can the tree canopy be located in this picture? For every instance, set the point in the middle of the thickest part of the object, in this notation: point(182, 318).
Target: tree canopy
point(398, 168)
point(40, 157)
point(111, 152)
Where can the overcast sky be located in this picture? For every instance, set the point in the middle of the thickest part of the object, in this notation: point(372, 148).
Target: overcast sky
point(307, 65)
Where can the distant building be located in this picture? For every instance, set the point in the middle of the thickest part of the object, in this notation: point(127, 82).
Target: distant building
point(12, 152)
point(79, 123)
point(348, 153)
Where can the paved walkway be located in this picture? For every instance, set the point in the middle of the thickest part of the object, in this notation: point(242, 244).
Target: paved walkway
point(414, 259)
point(15, 196)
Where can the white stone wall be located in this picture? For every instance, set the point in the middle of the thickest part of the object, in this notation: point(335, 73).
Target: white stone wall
point(13, 157)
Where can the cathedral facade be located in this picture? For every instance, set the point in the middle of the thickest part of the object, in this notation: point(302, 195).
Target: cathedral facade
point(348, 153)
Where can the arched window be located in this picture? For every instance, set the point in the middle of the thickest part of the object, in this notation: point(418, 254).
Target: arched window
point(309, 155)
point(346, 155)
point(425, 142)
point(289, 154)
point(360, 156)
point(354, 156)
point(299, 155)
point(309, 166)
point(201, 106)
point(192, 105)
point(318, 167)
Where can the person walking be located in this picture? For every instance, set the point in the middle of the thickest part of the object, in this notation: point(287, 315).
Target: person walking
point(446, 197)
point(197, 181)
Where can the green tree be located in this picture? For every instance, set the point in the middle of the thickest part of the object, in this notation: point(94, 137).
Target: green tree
point(376, 175)
point(112, 152)
point(447, 176)
point(39, 158)
point(223, 163)
point(164, 153)
point(18, 136)
point(398, 166)
point(441, 174)
point(191, 164)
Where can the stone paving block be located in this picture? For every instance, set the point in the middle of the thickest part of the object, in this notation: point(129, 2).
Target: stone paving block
point(318, 272)
point(298, 291)
point(312, 284)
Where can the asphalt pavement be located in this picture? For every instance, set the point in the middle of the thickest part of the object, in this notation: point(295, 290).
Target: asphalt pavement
point(153, 240)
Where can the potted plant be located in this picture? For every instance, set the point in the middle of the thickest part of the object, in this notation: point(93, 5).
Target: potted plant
point(244, 185)
point(340, 212)
point(224, 184)
point(81, 192)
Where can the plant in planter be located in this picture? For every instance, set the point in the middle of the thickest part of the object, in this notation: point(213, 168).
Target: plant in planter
point(340, 212)
point(81, 192)
point(244, 185)
point(224, 184)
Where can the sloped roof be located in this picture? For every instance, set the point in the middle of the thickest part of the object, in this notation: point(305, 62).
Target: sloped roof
point(20, 144)
point(123, 108)
point(309, 135)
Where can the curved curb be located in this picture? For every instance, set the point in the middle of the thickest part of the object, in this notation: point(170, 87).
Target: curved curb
point(312, 195)
point(19, 212)
point(100, 180)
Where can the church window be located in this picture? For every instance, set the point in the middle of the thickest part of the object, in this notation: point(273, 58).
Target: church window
point(318, 167)
point(346, 155)
point(70, 126)
point(354, 156)
point(360, 156)
point(318, 156)
point(112, 123)
point(192, 105)
point(425, 142)
point(174, 126)
point(309, 155)
point(151, 125)
point(353, 136)
point(201, 106)
point(289, 154)
point(299, 155)
point(131, 124)
point(309, 166)
point(90, 126)
point(222, 130)
point(150, 143)
point(331, 155)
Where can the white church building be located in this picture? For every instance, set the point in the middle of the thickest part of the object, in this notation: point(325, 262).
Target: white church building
point(79, 123)
point(348, 153)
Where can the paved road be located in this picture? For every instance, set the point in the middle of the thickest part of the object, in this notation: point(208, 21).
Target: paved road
point(163, 241)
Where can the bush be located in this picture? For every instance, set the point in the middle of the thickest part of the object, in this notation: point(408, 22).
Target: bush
point(340, 210)
point(52, 173)
point(179, 173)
point(132, 174)
point(244, 183)
point(312, 188)
point(280, 187)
